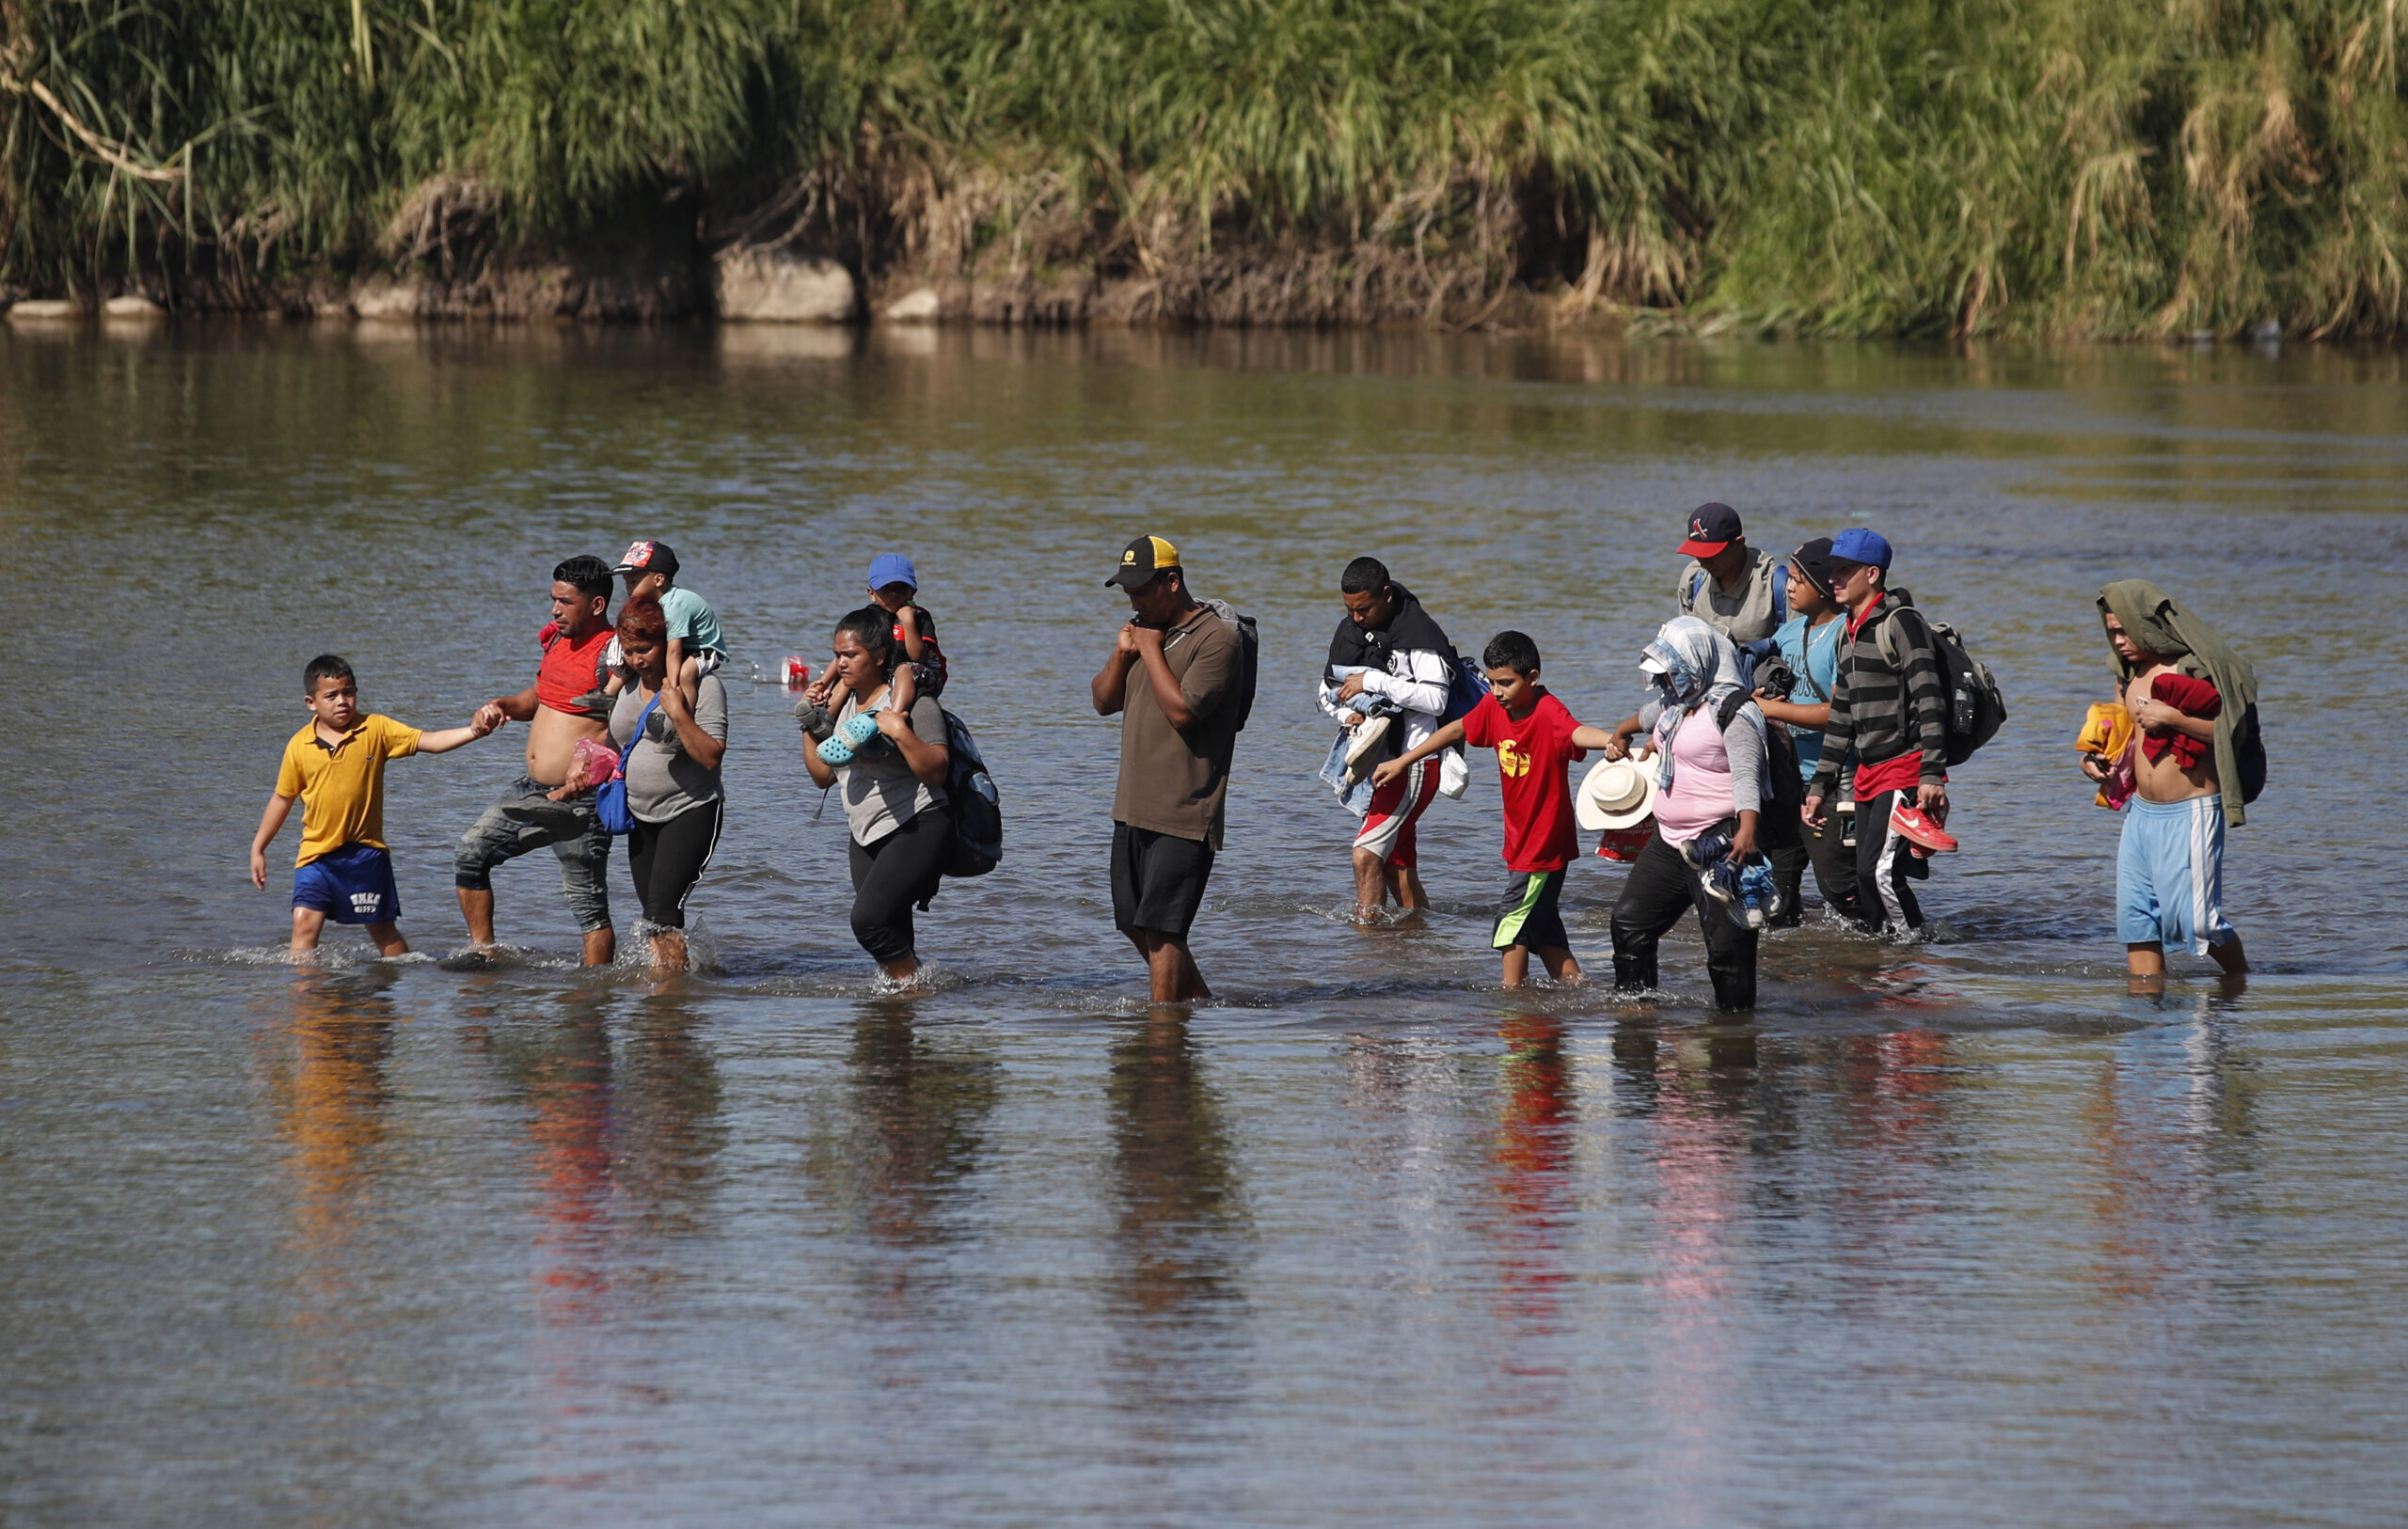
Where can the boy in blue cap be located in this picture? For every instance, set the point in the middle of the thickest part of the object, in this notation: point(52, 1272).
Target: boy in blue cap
point(895, 587)
point(1894, 715)
point(894, 583)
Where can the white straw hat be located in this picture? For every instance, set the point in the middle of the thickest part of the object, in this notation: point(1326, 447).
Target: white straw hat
point(1618, 793)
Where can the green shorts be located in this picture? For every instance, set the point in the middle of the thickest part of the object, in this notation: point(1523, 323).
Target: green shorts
point(1527, 915)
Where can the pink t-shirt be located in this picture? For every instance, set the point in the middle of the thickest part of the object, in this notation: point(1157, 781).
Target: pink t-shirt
point(1700, 794)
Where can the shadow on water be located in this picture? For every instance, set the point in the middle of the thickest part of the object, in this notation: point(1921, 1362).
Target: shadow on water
point(1532, 1206)
point(324, 1065)
point(1180, 1236)
point(900, 1156)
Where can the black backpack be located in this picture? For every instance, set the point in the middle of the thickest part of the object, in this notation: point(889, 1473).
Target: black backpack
point(976, 806)
point(1975, 707)
point(1249, 655)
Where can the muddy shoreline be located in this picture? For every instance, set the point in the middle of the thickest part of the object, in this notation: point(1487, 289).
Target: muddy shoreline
point(608, 284)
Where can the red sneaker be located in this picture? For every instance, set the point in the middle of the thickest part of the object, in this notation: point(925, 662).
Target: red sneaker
point(1921, 830)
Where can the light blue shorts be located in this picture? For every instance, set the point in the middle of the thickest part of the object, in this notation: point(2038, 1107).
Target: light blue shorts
point(2169, 874)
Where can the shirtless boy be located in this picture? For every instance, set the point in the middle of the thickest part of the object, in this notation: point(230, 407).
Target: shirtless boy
point(2169, 865)
point(566, 703)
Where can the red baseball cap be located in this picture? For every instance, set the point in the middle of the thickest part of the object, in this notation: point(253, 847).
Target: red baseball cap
point(1712, 527)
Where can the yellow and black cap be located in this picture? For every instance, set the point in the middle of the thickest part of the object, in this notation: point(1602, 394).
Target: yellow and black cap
point(1141, 559)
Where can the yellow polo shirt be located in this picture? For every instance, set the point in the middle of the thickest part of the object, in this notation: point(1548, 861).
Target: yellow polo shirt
point(342, 788)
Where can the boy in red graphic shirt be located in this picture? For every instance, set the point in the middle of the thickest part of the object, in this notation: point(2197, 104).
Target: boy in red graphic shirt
point(1536, 741)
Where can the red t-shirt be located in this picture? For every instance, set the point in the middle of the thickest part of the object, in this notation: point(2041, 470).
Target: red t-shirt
point(1533, 754)
point(571, 668)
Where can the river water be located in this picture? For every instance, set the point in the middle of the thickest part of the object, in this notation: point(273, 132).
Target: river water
point(1958, 1232)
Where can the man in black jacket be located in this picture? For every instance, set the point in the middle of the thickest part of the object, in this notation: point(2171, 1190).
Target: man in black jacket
point(1892, 708)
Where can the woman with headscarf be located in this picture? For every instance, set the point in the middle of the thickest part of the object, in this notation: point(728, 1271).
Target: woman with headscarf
point(1708, 739)
point(2195, 761)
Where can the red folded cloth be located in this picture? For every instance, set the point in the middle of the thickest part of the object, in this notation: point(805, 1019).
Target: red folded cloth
point(2191, 697)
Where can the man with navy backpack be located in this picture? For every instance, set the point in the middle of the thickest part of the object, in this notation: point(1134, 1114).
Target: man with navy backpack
point(1177, 679)
point(1731, 587)
point(1728, 584)
point(1744, 594)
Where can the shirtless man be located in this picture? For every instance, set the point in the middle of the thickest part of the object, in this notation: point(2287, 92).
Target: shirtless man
point(564, 704)
point(2169, 869)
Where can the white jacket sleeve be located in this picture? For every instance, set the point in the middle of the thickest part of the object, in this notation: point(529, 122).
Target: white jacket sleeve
point(1425, 690)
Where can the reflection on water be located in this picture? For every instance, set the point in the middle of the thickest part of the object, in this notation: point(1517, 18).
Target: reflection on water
point(668, 1132)
point(324, 1066)
point(1181, 1224)
point(908, 1137)
point(1952, 1232)
point(1534, 1199)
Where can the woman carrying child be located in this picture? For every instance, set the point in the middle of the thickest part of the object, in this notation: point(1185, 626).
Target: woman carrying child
point(673, 775)
point(1709, 746)
point(886, 747)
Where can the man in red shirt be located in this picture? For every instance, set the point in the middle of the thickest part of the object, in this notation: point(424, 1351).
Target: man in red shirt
point(565, 703)
point(1536, 740)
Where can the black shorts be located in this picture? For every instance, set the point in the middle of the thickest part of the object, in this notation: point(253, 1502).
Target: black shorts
point(1157, 879)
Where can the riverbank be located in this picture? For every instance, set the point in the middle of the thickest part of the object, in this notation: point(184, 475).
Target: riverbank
point(2116, 169)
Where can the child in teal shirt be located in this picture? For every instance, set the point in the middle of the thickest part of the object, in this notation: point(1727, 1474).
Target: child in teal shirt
point(695, 647)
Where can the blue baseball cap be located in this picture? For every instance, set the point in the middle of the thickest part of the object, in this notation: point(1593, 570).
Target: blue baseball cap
point(1857, 545)
point(891, 568)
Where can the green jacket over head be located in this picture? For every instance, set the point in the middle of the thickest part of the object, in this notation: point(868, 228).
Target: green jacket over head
point(2153, 621)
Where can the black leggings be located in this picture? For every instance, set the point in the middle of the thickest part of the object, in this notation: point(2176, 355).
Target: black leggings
point(668, 859)
point(1659, 890)
point(892, 874)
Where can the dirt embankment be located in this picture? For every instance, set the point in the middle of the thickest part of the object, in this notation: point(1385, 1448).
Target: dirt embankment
point(443, 257)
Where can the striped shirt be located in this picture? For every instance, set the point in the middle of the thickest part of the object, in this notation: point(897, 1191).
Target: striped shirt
point(1883, 711)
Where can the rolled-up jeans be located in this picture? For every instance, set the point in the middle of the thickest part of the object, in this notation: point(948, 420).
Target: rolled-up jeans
point(526, 819)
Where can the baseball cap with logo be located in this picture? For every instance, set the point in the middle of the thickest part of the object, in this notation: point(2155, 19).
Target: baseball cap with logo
point(648, 558)
point(1712, 527)
point(1141, 559)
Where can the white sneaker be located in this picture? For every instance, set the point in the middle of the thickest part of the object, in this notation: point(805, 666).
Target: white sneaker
point(1368, 733)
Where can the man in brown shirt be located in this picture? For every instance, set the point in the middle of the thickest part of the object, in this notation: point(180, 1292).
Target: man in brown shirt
point(1178, 729)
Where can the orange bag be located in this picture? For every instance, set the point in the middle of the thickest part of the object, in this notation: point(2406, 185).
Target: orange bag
point(2107, 732)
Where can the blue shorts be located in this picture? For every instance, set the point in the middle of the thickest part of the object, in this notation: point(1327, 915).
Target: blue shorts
point(2169, 874)
point(350, 885)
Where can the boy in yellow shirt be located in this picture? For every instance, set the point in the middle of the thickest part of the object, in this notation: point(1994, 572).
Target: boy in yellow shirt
point(336, 766)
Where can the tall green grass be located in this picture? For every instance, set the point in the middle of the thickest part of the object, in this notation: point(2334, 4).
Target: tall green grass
point(2114, 166)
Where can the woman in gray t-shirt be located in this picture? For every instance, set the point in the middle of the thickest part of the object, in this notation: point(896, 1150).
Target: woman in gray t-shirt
point(672, 777)
point(893, 784)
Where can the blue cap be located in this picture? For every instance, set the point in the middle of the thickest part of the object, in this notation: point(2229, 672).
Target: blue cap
point(1857, 545)
point(891, 568)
